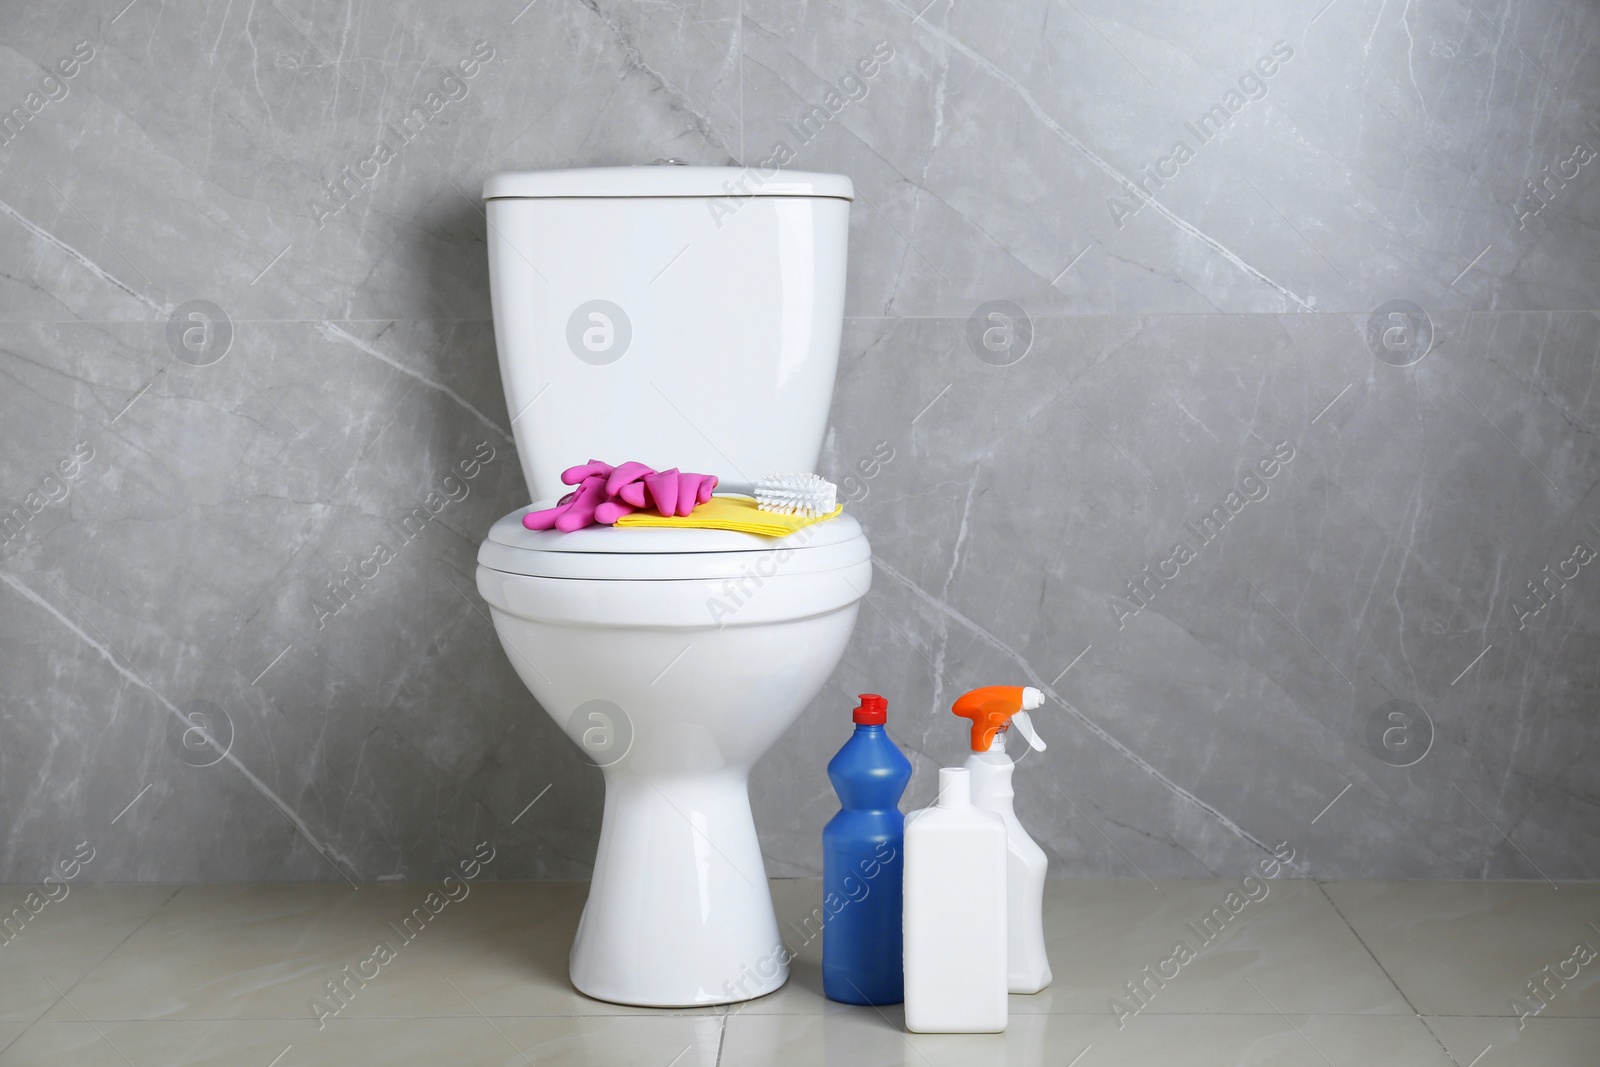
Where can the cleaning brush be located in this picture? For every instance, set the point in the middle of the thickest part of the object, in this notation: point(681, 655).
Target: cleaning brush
point(810, 495)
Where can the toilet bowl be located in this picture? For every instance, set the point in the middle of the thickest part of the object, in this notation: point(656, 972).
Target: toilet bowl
point(674, 662)
point(644, 313)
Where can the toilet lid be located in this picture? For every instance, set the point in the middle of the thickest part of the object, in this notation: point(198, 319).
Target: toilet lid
point(654, 553)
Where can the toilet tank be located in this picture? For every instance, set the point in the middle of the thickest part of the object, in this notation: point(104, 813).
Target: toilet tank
point(683, 317)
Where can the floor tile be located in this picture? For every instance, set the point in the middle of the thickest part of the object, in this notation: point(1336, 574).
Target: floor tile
point(623, 1041)
point(1100, 934)
point(68, 1044)
point(506, 954)
point(1287, 951)
point(65, 939)
point(1541, 1042)
point(228, 974)
point(862, 1037)
point(245, 951)
point(285, 1043)
point(269, 952)
point(1469, 948)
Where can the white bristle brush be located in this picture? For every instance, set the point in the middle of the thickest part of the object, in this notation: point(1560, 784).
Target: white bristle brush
point(810, 495)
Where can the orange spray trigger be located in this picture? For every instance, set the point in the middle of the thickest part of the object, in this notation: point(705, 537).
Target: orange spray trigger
point(995, 707)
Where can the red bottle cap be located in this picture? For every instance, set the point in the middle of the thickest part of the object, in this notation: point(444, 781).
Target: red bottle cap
point(874, 710)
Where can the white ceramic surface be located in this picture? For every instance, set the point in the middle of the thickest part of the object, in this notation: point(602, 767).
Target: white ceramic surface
point(717, 333)
point(676, 715)
point(641, 315)
point(668, 552)
point(654, 180)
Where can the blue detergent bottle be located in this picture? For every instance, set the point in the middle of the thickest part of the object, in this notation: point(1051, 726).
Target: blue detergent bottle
point(861, 865)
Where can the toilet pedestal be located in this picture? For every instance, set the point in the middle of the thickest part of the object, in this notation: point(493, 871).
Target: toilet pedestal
point(676, 713)
point(679, 913)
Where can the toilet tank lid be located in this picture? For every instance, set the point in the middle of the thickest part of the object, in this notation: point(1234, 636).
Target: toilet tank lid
point(664, 181)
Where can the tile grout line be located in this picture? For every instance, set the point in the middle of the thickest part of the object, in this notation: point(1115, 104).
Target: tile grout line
point(91, 969)
point(1321, 888)
point(1442, 1047)
point(1373, 956)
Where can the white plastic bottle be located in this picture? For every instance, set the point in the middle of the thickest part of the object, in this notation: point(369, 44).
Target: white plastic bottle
point(955, 924)
point(992, 710)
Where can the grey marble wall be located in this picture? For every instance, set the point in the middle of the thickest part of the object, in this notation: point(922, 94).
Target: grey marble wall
point(1115, 268)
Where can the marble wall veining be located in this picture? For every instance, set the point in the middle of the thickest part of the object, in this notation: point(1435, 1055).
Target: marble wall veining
point(1226, 370)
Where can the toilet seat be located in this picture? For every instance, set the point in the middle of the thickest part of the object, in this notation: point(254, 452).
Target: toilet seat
point(647, 553)
point(674, 578)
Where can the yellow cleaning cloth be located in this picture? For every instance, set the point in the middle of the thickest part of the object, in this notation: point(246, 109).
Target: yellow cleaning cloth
point(729, 513)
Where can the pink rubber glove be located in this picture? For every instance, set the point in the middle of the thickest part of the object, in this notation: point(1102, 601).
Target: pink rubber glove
point(580, 512)
point(624, 475)
point(576, 475)
point(574, 511)
point(606, 493)
point(694, 489)
point(688, 492)
point(608, 513)
point(663, 486)
point(624, 492)
point(544, 520)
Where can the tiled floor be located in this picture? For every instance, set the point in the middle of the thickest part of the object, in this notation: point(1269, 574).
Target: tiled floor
point(1343, 973)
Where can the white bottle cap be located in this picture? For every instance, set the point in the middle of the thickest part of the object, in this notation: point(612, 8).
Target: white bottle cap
point(955, 787)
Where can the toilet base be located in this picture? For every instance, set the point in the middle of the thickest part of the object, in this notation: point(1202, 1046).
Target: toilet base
point(679, 913)
point(676, 713)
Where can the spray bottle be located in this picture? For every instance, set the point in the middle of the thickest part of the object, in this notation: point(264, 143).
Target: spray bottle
point(992, 710)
